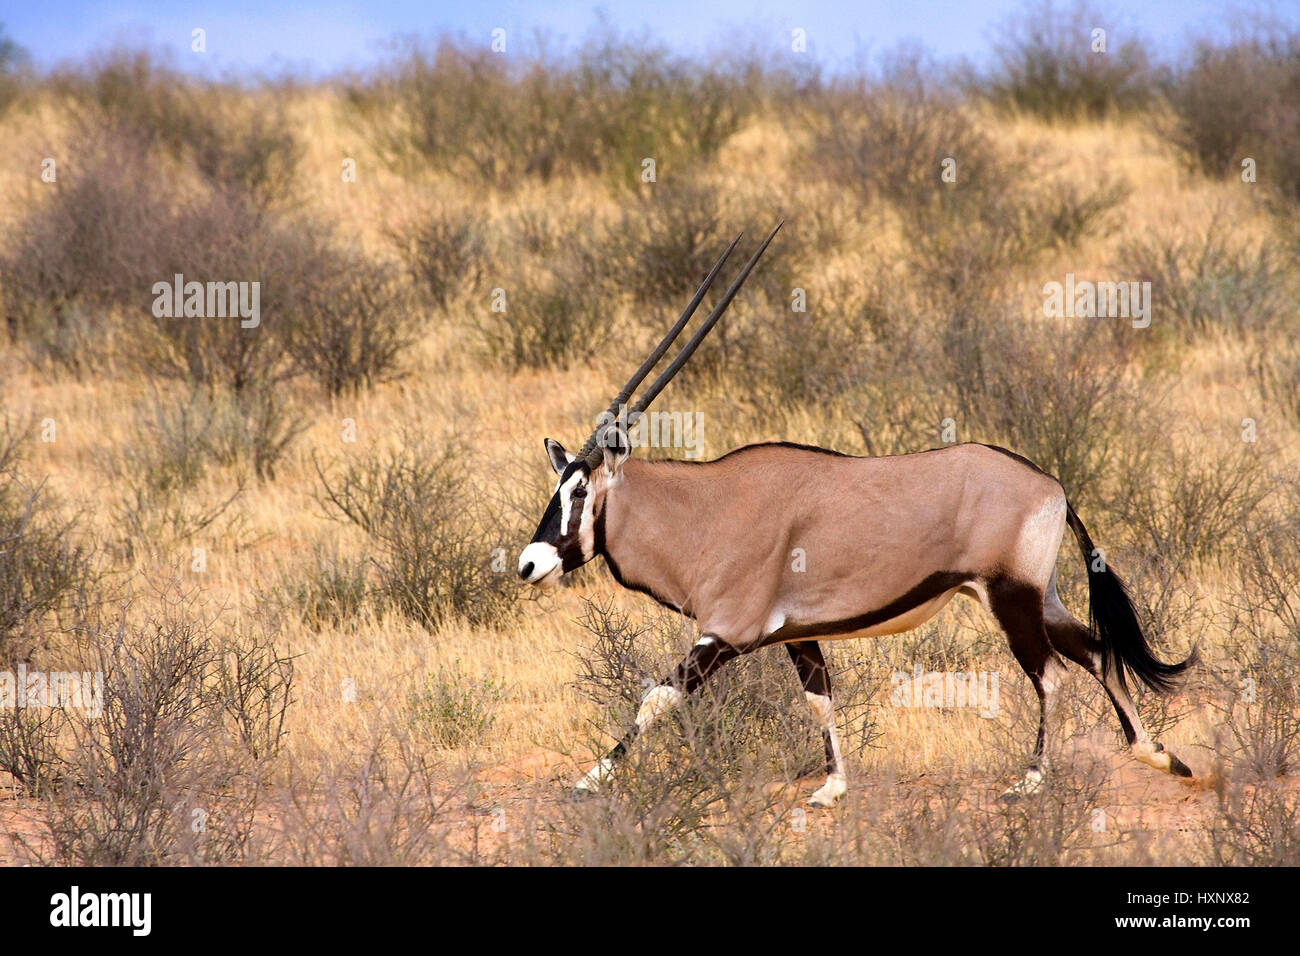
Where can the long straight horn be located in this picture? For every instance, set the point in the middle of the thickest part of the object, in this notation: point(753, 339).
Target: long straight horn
point(689, 348)
point(653, 359)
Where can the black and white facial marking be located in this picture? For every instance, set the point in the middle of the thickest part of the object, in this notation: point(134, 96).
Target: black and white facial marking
point(566, 537)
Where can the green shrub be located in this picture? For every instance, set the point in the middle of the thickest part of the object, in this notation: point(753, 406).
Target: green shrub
point(455, 710)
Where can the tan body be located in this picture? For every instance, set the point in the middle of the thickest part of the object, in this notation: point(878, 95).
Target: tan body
point(782, 540)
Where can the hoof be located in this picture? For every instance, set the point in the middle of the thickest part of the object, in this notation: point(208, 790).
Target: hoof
point(578, 793)
point(829, 794)
point(1155, 755)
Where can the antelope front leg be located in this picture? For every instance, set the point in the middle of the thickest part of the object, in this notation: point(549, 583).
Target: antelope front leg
point(705, 657)
point(816, 680)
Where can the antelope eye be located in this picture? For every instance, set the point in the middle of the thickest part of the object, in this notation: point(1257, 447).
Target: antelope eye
point(579, 493)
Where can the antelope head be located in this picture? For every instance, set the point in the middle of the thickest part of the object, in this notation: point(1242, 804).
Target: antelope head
point(566, 537)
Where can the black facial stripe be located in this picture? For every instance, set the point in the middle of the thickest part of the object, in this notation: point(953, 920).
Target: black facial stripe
point(548, 529)
point(568, 545)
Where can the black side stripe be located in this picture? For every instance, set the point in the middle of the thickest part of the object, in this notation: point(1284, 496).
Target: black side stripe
point(929, 589)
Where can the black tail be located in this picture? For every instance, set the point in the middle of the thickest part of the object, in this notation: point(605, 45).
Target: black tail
point(1124, 647)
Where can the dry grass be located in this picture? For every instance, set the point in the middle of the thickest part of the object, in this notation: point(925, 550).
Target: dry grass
point(367, 769)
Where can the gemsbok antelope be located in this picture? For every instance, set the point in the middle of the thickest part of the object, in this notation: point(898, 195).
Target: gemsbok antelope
point(887, 543)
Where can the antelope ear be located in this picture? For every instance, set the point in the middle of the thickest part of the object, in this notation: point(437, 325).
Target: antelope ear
point(616, 452)
point(559, 457)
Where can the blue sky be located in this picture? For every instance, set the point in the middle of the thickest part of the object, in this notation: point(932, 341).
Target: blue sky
point(321, 37)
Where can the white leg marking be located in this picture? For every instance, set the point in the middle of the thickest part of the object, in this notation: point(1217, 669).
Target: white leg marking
point(1031, 784)
point(836, 784)
point(596, 776)
point(658, 701)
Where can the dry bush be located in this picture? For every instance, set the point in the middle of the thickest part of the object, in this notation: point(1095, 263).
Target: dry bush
point(641, 101)
point(255, 687)
point(44, 558)
point(150, 519)
point(551, 316)
point(886, 136)
point(812, 357)
point(1053, 393)
point(1075, 211)
point(478, 116)
point(236, 143)
point(444, 252)
point(667, 238)
point(223, 239)
point(328, 591)
point(1212, 283)
point(388, 804)
point(325, 309)
point(252, 430)
point(434, 542)
point(170, 770)
point(350, 322)
point(1238, 100)
point(1257, 671)
point(1257, 825)
point(68, 262)
point(891, 137)
point(652, 255)
point(1045, 65)
point(668, 235)
point(1259, 664)
point(1189, 507)
point(251, 151)
point(165, 473)
point(179, 436)
point(30, 749)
